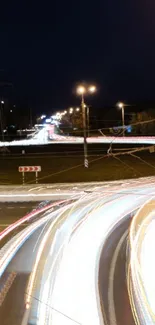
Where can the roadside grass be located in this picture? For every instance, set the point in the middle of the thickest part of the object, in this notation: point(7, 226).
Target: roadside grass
point(70, 169)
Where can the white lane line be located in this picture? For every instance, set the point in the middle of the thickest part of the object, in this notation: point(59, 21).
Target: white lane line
point(21, 207)
point(111, 303)
point(8, 224)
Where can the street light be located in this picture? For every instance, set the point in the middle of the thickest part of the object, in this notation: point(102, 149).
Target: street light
point(121, 105)
point(92, 89)
point(82, 90)
point(77, 109)
point(70, 110)
point(1, 118)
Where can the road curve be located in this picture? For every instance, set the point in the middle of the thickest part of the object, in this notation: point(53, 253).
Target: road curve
point(81, 272)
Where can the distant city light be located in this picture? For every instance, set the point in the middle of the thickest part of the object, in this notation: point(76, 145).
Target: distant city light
point(77, 109)
point(71, 110)
point(2, 101)
point(48, 120)
point(42, 117)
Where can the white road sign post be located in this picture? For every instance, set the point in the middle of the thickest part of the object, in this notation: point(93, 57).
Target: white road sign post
point(29, 169)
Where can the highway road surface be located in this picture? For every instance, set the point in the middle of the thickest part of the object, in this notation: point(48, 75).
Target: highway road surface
point(79, 263)
point(12, 211)
point(14, 279)
point(71, 139)
point(75, 296)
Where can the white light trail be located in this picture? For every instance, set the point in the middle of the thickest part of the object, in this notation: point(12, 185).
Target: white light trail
point(69, 291)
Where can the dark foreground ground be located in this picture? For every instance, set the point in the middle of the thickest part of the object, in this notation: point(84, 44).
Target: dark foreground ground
point(56, 168)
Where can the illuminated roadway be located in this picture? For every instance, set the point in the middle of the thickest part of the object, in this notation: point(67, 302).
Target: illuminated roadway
point(42, 140)
point(16, 273)
point(80, 271)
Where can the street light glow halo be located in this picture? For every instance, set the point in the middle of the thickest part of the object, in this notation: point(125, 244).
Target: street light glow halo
point(92, 88)
point(120, 105)
point(81, 90)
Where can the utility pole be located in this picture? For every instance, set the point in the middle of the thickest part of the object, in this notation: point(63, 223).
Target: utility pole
point(31, 118)
point(123, 121)
point(1, 118)
point(88, 120)
point(83, 106)
point(81, 90)
point(121, 105)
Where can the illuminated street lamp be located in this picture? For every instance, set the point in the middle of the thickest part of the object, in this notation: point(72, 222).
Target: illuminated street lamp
point(1, 118)
point(121, 106)
point(82, 90)
point(70, 110)
point(77, 109)
point(92, 89)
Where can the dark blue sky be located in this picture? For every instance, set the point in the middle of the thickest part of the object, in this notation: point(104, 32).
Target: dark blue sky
point(45, 49)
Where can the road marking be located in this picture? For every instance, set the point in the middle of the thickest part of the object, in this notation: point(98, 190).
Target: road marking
point(8, 224)
point(21, 207)
point(112, 314)
point(7, 286)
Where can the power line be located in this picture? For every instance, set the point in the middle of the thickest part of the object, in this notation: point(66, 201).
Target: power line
point(58, 311)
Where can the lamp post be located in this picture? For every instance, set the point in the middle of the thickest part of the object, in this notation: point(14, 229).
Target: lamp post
point(81, 90)
point(88, 120)
point(121, 105)
point(1, 118)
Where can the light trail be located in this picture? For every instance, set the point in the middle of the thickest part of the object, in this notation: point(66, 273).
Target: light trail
point(27, 218)
point(69, 250)
point(76, 278)
point(142, 264)
point(69, 140)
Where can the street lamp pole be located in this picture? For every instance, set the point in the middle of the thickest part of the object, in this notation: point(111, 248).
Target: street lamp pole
point(83, 106)
point(121, 105)
point(123, 121)
point(81, 90)
point(88, 120)
point(1, 118)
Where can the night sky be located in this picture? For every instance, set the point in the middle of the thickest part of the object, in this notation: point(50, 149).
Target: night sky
point(45, 49)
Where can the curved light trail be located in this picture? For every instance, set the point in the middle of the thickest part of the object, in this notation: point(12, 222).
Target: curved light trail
point(92, 264)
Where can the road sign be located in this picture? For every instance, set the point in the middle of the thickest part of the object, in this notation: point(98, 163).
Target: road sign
point(28, 169)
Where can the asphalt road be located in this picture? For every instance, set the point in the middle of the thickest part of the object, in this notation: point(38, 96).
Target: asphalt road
point(101, 220)
point(10, 212)
point(12, 303)
point(14, 280)
point(112, 285)
point(73, 149)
